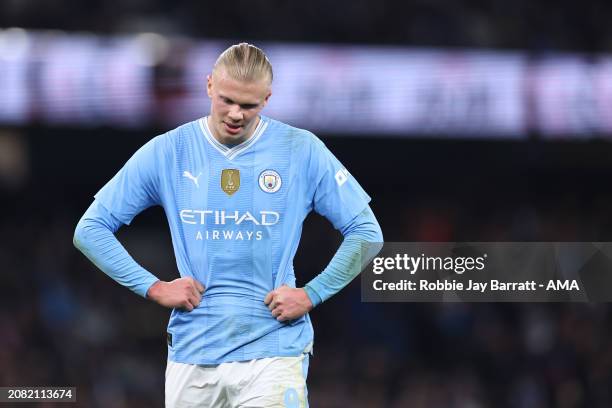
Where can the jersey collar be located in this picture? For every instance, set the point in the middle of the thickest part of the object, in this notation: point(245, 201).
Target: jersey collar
point(232, 152)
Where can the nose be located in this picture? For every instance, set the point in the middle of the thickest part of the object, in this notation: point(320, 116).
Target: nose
point(235, 113)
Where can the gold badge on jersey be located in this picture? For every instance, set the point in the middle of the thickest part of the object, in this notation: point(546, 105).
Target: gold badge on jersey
point(230, 180)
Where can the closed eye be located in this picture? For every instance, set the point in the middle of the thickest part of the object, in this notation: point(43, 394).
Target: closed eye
point(245, 106)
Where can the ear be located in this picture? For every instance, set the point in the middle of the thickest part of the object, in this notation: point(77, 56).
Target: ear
point(267, 97)
point(209, 79)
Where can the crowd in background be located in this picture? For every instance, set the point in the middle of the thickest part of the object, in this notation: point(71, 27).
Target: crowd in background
point(541, 25)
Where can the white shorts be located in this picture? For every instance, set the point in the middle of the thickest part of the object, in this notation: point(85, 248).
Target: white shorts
point(276, 382)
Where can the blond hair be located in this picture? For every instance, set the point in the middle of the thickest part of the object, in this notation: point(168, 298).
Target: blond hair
point(245, 62)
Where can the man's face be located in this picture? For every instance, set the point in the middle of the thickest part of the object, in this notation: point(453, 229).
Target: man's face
point(235, 106)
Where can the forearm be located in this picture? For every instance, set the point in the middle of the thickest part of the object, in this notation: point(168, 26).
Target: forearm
point(362, 241)
point(94, 237)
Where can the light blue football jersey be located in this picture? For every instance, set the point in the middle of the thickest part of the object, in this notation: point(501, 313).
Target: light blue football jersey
point(235, 215)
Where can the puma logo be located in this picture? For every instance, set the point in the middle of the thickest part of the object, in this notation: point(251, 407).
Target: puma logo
point(192, 178)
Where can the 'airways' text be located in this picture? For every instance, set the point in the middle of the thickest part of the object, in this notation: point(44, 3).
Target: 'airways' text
point(229, 235)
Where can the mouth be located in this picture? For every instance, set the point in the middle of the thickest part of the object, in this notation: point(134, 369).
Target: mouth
point(232, 129)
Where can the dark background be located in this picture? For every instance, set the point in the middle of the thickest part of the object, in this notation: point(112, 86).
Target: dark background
point(63, 322)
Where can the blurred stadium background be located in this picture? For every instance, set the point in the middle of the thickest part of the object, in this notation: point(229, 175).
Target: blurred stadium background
point(475, 121)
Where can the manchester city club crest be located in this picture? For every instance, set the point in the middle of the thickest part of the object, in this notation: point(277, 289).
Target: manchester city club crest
point(230, 180)
point(270, 181)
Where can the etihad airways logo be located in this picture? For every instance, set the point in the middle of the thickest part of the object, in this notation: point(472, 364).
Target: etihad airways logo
point(222, 217)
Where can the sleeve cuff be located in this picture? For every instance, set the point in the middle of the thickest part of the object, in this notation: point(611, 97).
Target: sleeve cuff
point(313, 296)
point(143, 288)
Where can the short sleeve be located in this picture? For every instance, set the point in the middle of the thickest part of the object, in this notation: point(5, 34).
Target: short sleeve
point(338, 196)
point(136, 186)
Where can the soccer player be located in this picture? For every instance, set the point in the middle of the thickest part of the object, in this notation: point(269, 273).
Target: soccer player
point(236, 187)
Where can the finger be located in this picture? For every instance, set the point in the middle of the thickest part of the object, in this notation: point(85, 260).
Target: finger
point(273, 305)
point(192, 283)
point(187, 306)
point(277, 299)
point(195, 294)
point(281, 318)
point(276, 312)
point(199, 286)
point(269, 297)
point(194, 299)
